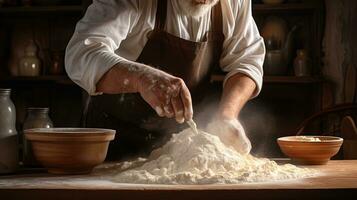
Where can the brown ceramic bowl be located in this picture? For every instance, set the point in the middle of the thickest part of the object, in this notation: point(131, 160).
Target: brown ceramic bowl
point(310, 150)
point(70, 150)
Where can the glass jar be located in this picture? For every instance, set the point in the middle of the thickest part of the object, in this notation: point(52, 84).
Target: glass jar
point(8, 134)
point(301, 64)
point(35, 118)
point(57, 63)
point(30, 64)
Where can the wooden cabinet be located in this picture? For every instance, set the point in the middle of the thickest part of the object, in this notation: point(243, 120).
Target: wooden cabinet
point(50, 24)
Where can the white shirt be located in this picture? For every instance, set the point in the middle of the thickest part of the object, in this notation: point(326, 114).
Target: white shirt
point(114, 31)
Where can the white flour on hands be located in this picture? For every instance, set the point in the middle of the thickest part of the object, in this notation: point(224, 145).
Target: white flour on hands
point(191, 158)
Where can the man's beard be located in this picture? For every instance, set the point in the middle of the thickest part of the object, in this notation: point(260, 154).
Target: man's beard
point(191, 8)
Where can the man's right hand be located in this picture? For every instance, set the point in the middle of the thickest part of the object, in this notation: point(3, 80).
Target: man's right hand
point(166, 94)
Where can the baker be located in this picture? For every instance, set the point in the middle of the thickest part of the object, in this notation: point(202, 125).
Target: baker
point(146, 64)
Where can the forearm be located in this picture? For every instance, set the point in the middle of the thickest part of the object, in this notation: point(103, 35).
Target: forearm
point(121, 78)
point(236, 92)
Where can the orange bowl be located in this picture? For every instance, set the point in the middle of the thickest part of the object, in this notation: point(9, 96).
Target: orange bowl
point(310, 150)
point(69, 150)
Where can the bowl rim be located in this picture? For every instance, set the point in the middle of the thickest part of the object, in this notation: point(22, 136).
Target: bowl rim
point(58, 135)
point(333, 139)
point(66, 130)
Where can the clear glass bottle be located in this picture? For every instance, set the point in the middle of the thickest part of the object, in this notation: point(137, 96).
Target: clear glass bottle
point(35, 118)
point(8, 134)
point(301, 64)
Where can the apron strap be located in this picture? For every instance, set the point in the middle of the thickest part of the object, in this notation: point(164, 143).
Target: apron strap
point(217, 19)
point(161, 13)
point(216, 33)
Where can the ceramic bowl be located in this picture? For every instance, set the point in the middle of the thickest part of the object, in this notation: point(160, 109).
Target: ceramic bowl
point(310, 150)
point(69, 150)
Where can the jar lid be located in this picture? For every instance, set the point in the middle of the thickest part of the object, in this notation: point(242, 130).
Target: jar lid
point(35, 109)
point(5, 91)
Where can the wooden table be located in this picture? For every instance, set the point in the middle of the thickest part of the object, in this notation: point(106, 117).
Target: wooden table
point(338, 180)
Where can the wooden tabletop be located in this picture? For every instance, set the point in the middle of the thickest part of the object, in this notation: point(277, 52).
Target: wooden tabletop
point(337, 179)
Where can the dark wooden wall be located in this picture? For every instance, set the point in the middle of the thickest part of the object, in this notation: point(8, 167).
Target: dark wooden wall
point(341, 50)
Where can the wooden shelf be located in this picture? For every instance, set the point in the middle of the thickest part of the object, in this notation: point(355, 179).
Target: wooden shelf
point(288, 7)
point(292, 79)
point(61, 79)
point(278, 79)
point(32, 10)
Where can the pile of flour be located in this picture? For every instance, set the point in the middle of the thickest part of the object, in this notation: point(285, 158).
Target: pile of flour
point(201, 158)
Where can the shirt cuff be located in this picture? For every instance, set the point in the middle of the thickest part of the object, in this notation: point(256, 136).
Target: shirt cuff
point(104, 62)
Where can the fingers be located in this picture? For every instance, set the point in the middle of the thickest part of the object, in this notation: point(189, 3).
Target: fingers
point(159, 110)
point(169, 97)
point(181, 101)
point(178, 108)
point(169, 111)
point(156, 105)
point(157, 102)
point(187, 102)
point(242, 142)
point(231, 133)
point(162, 110)
point(247, 147)
point(242, 145)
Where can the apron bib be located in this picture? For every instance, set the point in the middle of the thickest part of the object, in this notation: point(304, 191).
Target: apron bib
point(139, 129)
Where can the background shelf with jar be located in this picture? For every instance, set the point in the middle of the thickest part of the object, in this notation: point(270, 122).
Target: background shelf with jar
point(33, 38)
point(293, 89)
point(293, 82)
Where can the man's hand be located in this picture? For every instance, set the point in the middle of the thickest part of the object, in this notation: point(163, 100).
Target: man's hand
point(231, 133)
point(237, 91)
point(168, 95)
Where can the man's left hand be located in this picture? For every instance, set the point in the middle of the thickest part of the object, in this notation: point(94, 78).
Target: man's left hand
point(231, 133)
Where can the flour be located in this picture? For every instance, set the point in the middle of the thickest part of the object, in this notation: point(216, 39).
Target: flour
point(126, 82)
point(159, 111)
point(191, 158)
point(192, 124)
point(307, 139)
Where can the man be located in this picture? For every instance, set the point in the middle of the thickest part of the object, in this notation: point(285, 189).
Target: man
point(141, 60)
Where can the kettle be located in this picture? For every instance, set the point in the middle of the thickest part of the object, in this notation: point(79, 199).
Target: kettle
point(277, 59)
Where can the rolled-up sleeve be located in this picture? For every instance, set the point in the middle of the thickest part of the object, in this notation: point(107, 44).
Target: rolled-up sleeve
point(91, 50)
point(243, 48)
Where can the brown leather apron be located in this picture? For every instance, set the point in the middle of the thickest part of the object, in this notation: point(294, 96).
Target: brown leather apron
point(139, 129)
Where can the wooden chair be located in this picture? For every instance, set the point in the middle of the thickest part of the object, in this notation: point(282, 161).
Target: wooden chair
point(345, 126)
point(349, 134)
